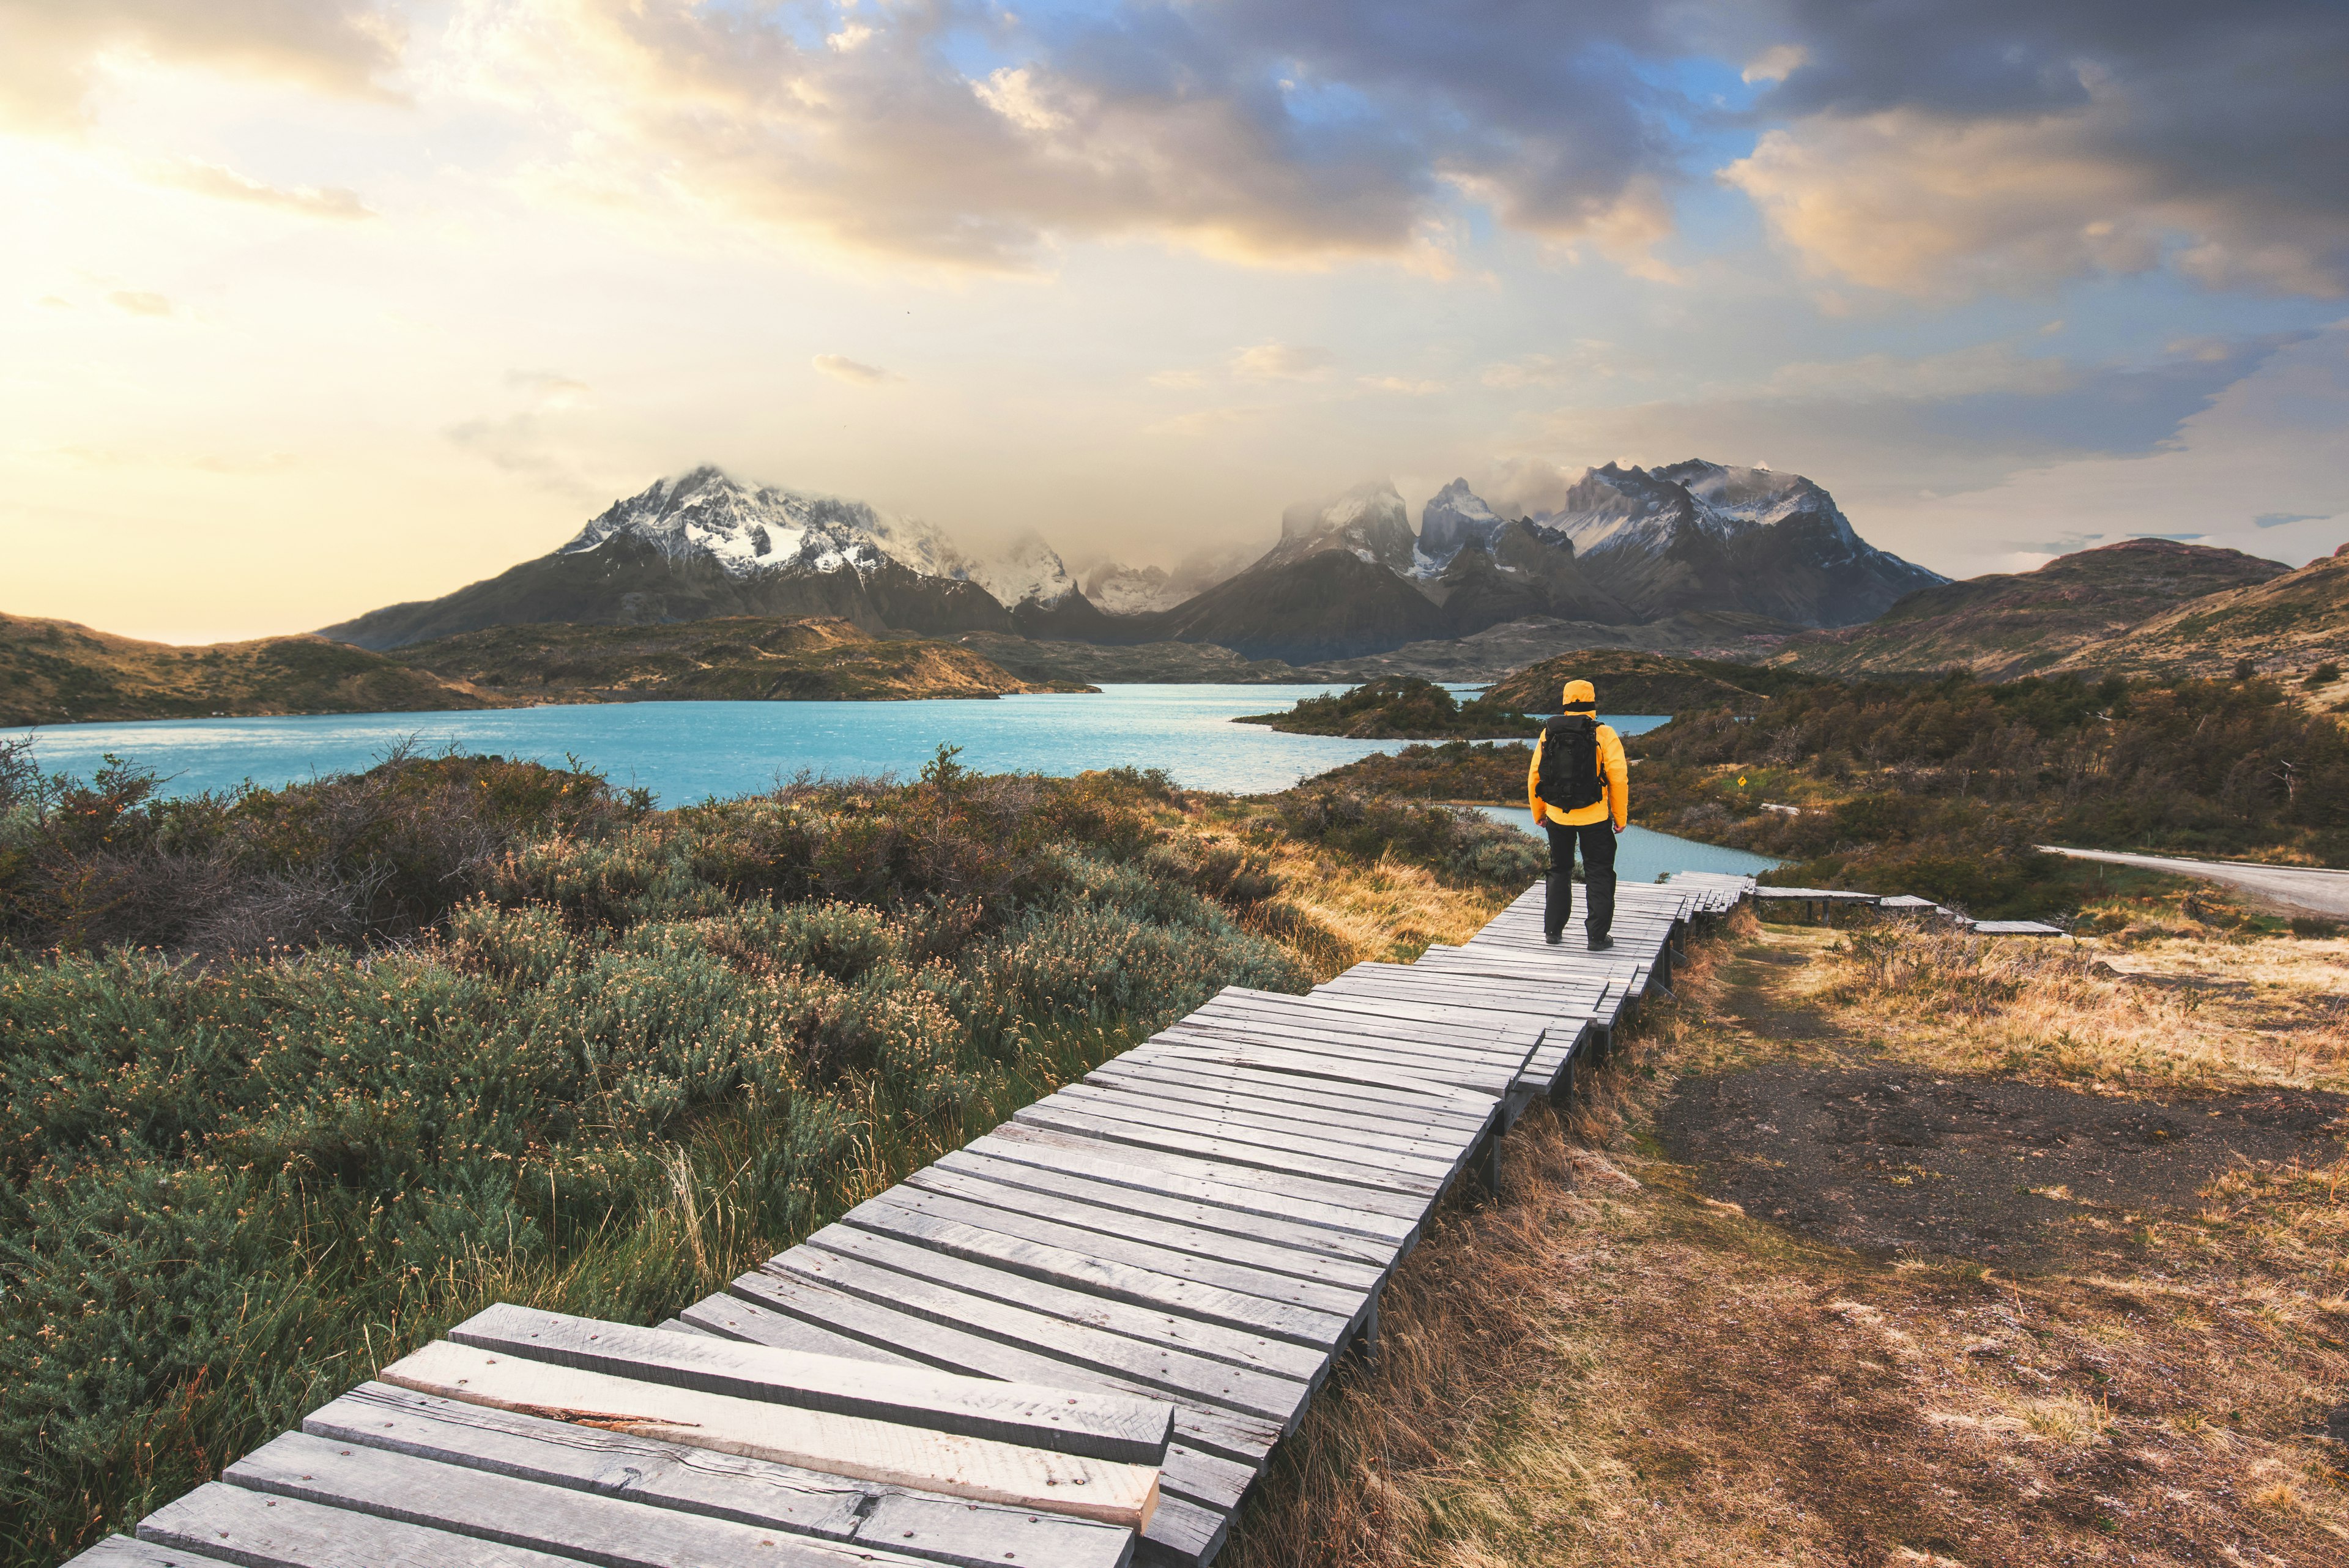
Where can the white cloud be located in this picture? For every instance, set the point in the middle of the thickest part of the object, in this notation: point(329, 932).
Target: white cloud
point(330, 202)
point(853, 371)
point(1775, 64)
point(1922, 204)
point(1404, 385)
point(57, 48)
point(1283, 362)
point(139, 302)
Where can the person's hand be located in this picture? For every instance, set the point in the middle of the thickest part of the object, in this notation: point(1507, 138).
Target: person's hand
point(1619, 827)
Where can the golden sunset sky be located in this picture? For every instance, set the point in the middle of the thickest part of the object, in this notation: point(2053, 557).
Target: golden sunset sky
point(310, 307)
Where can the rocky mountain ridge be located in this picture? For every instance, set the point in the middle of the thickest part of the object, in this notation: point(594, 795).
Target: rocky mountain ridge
point(1347, 576)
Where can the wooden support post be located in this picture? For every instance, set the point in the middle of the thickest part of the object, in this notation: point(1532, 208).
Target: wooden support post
point(1366, 1343)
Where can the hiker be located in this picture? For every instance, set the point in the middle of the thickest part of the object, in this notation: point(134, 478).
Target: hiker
point(1580, 789)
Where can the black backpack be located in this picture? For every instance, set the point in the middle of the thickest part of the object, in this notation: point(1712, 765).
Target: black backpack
point(1570, 762)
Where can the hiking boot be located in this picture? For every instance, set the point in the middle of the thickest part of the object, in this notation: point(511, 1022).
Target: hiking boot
point(1600, 944)
point(1553, 938)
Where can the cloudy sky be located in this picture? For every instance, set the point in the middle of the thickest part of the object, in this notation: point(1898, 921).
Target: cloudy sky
point(308, 305)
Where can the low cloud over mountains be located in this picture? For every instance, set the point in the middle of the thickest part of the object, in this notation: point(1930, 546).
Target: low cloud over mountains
point(1349, 575)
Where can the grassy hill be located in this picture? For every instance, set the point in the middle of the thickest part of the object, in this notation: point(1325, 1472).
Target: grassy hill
point(735, 659)
point(1629, 682)
point(58, 672)
point(2294, 624)
point(2011, 624)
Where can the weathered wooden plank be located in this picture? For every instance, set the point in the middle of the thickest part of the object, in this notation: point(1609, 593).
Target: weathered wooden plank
point(1252, 1348)
point(1309, 1251)
point(698, 1481)
point(1183, 1534)
point(1326, 1014)
point(486, 1507)
point(1362, 1059)
point(1269, 1099)
point(257, 1531)
point(1302, 1060)
point(928, 1221)
point(1102, 1426)
point(1206, 1474)
point(1134, 1125)
point(1440, 990)
point(1405, 1208)
point(1334, 1018)
point(1334, 1021)
point(773, 1308)
point(1308, 1129)
point(1185, 1375)
point(1417, 1112)
point(1360, 1052)
point(1345, 1129)
point(1346, 1021)
point(122, 1552)
point(946, 1196)
point(1456, 1043)
point(843, 1445)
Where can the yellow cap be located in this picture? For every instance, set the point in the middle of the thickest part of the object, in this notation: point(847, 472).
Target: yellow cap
point(1579, 697)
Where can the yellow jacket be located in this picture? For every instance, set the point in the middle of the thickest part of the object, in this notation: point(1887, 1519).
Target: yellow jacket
point(1614, 774)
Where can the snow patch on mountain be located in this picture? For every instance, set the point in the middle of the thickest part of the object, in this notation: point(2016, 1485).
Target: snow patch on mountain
point(1120, 589)
point(708, 513)
point(1369, 521)
point(1029, 572)
point(1454, 517)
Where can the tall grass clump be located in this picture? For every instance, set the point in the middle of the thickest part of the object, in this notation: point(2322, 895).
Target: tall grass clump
point(290, 1080)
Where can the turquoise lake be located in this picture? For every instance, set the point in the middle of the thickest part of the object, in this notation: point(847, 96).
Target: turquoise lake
point(1642, 855)
point(686, 751)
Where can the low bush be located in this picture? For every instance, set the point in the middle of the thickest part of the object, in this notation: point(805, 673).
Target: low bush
point(290, 1080)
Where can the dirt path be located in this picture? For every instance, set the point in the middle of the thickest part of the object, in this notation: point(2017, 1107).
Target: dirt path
point(1810, 1304)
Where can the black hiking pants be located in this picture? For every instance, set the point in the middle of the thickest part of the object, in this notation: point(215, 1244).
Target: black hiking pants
point(1598, 876)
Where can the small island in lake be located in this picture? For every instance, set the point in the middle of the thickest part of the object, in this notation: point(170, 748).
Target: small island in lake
point(1399, 708)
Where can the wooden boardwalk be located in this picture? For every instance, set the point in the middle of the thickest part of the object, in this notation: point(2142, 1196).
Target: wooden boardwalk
point(1072, 1344)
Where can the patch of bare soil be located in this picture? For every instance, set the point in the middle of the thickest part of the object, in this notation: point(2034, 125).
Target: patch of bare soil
point(2026, 1176)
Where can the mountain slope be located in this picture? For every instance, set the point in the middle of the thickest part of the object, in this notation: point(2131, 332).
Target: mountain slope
point(1514, 571)
point(2011, 624)
point(701, 545)
point(1629, 682)
point(1369, 521)
point(737, 659)
point(1330, 605)
point(55, 673)
point(2291, 622)
point(1699, 535)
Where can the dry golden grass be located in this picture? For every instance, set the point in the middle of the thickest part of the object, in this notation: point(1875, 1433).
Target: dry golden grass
point(2166, 1014)
point(1335, 914)
point(1334, 911)
point(1610, 1368)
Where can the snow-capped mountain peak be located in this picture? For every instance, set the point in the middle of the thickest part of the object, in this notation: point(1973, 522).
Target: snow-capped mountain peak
point(1453, 516)
point(706, 511)
point(1029, 572)
point(1370, 521)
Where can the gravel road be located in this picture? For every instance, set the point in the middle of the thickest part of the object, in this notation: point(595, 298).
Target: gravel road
point(2317, 890)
